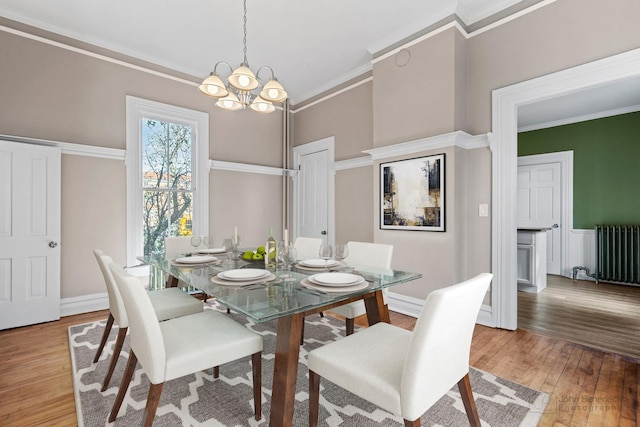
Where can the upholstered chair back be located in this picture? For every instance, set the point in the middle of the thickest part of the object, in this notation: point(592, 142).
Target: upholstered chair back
point(176, 246)
point(144, 329)
point(369, 254)
point(116, 305)
point(307, 247)
point(439, 351)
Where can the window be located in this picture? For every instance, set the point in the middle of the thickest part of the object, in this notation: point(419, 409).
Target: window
point(167, 175)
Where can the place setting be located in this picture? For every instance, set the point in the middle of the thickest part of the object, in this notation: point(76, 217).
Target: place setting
point(335, 282)
point(195, 261)
point(318, 265)
point(242, 277)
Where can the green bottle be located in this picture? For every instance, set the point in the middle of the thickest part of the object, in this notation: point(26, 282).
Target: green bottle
point(270, 251)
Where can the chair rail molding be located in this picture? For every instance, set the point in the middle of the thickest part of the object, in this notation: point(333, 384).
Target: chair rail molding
point(72, 148)
point(458, 138)
point(249, 168)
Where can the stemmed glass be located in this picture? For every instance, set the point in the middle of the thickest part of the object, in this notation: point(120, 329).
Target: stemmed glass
point(287, 256)
point(195, 242)
point(325, 252)
point(207, 241)
point(341, 252)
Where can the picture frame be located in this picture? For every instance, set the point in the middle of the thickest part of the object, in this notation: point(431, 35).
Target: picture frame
point(412, 194)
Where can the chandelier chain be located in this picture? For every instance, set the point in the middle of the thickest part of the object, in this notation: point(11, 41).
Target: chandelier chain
point(244, 40)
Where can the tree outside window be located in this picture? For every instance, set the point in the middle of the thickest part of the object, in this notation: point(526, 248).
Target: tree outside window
point(167, 185)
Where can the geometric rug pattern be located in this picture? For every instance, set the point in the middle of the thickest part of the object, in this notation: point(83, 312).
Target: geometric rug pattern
point(201, 400)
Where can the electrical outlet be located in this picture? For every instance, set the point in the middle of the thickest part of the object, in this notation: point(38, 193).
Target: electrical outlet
point(483, 209)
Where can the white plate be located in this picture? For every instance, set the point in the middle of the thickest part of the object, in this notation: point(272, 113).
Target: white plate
point(317, 263)
point(195, 259)
point(212, 251)
point(218, 281)
point(243, 274)
point(336, 279)
point(307, 284)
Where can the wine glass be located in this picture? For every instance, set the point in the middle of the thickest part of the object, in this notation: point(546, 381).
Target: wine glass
point(341, 252)
point(290, 257)
point(195, 242)
point(325, 252)
point(207, 241)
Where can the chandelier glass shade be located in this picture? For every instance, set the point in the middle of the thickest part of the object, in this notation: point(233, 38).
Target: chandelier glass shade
point(244, 88)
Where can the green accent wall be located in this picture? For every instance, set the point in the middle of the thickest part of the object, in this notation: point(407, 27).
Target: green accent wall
point(606, 166)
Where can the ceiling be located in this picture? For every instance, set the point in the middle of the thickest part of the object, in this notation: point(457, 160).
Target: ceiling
point(312, 45)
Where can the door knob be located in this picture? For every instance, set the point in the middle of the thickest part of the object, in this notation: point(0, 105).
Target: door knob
point(323, 232)
point(555, 226)
point(53, 244)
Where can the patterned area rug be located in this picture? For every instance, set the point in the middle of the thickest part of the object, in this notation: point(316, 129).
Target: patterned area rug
point(200, 399)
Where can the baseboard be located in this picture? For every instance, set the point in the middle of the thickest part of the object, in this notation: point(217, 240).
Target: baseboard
point(404, 305)
point(413, 306)
point(485, 316)
point(84, 304)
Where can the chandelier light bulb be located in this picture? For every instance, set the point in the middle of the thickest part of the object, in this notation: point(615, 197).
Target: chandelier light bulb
point(243, 81)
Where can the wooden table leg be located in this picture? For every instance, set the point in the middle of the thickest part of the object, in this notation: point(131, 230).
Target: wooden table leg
point(377, 311)
point(285, 370)
point(172, 281)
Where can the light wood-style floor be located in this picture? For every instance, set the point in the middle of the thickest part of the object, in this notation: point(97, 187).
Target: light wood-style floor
point(587, 387)
point(604, 316)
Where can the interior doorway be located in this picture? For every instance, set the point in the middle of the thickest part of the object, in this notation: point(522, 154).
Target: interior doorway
point(506, 101)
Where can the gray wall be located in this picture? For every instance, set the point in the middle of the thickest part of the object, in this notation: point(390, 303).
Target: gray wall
point(457, 76)
point(48, 92)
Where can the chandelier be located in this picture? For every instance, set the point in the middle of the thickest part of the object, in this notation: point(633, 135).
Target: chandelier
point(243, 86)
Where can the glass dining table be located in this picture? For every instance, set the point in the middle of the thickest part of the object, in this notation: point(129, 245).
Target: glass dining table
point(286, 296)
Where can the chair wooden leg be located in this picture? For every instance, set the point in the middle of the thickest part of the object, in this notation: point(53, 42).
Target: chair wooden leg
point(350, 325)
point(152, 403)
point(216, 372)
point(464, 385)
point(122, 333)
point(302, 333)
point(124, 385)
point(414, 423)
point(105, 335)
point(256, 364)
point(314, 398)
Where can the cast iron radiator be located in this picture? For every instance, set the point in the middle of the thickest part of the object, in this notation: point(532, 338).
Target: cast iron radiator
point(618, 253)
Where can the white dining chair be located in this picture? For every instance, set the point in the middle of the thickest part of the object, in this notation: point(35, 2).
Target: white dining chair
point(406, 372)
point(307, 247)
point(176, 246)
point(181, 346)
point(167, 303)
point(363, 254)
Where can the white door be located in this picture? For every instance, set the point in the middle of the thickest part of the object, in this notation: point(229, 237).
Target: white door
point(314, 190)
point(539, 198)
point(29, 234)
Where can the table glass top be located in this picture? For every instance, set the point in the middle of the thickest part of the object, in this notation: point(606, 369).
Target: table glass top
point(280, 294)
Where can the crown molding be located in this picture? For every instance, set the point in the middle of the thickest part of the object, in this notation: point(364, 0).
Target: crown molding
point(458, 139)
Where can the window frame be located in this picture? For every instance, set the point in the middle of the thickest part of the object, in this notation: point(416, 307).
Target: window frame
point(136, 110)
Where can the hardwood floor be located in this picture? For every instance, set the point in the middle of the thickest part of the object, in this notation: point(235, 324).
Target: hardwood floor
point(604, 316)
point(586, 386)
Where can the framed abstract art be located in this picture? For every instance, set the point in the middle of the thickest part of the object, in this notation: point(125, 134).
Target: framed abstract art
point(413, 194)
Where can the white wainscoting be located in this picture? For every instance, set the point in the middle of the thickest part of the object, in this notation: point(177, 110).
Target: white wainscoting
point(582, 253)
